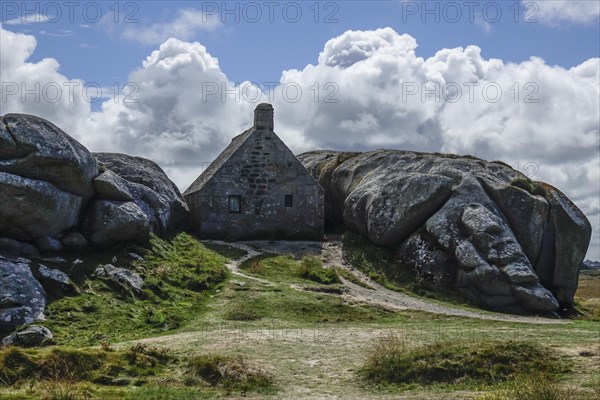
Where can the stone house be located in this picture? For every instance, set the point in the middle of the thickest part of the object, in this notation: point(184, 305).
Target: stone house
point(257, 189)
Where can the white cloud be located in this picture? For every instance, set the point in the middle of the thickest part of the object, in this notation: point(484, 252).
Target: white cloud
point(555, 12)
point(38, 87)
point(369, 73)
point(57, 33)
point(187, 24)
point(27, 19)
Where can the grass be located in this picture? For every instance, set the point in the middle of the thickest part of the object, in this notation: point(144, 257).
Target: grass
point(178, 277)
point(311, 268)
point(350, 277)
point(530, 186)
point(101, 366)
point(279, 301)
point(231, 374)
point(391, 362)
point(587, 297)
point(224, 250)
point(309, 340)
point(534, 387)
point(384, 267)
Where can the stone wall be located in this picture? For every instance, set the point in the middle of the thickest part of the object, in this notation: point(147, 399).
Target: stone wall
point(262, 171)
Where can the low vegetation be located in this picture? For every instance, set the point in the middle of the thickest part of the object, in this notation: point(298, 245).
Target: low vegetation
point(311, 268)
point(587, 297)
point(178, 278)
point(530, 186)
point(532, 387)
point(100, 366)
point(231, 374)
point(315, 298)
point(384, 267)
point(391, 362)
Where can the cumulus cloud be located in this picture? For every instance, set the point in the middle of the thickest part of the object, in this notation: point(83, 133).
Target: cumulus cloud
point(554, 12)
point(542, 119)
point(187, 24)
point(38, 87)
point(369, 89)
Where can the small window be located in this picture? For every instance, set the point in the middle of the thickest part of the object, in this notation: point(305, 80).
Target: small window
point(235, 204)
point(289, 200)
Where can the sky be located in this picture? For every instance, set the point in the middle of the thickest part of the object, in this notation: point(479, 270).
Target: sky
point(174, 81)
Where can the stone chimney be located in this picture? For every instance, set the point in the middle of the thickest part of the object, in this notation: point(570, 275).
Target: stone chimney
point(263, 117)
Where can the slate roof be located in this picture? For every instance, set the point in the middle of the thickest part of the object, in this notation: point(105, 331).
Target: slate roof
point(208, 173)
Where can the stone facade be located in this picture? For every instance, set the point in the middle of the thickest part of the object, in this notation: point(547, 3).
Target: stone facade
point(257, 189)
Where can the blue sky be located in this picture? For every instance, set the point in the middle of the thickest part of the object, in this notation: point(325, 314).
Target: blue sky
point(258, 51)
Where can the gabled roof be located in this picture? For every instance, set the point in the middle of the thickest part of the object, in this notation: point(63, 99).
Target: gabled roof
point(208, 173)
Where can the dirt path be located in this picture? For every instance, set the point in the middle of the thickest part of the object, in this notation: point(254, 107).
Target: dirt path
point(331, 255)
point(234, 265)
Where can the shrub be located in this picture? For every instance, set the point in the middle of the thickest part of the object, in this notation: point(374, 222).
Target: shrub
point(312, 268)
point(15, 365)
point(60, 390)
point(389, 362)
point(69, 364)
point(232, 374)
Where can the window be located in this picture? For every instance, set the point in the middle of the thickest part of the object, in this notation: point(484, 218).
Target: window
point(235, 204)
point(289, 200)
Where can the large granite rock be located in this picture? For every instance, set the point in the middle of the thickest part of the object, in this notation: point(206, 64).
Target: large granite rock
point(22, 298)
point(32, 336)
point(57, 195)
point(126, 280)
point(37, 149)
point(143, 182)
point(506, 242)
point(34, 208)
point(56, 283)
point(109, 222)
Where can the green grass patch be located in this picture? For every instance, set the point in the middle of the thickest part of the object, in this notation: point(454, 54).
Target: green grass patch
point(231, 374)
point(350, 277)
point(233, 253)
point(311, 268)
point(530, 186)
point(287, 305)
point(390, 362)
point(100, 366)
point(384, 267)
point(178, 277)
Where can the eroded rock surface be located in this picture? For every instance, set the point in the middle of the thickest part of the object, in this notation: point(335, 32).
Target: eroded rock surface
point(506, 242)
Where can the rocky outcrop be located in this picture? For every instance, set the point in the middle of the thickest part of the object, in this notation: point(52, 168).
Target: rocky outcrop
point(124, 279)
point(506, 242)
point(143, 182)
point(57, 196)
point(32, 336)
point(56, 283)
point(36, 149)
point(22, 298)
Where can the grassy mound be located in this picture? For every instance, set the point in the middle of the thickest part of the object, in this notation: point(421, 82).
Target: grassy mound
point(232, 374)
point(178, 277)
point(100, 366)
point(389, 362)
point(311, 268)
